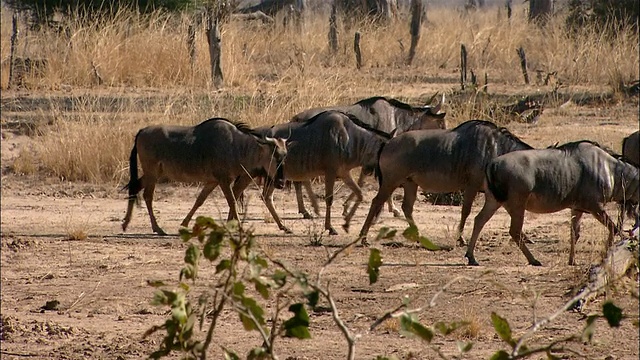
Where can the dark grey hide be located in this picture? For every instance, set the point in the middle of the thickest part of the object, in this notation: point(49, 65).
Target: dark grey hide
point(580, 176)
point(215, 152)
point(439, 161)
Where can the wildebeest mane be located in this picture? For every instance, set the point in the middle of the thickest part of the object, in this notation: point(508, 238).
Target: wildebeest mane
point(394, 102)
point(243, 127)
point(499, 129)
point(353, 119)
point(570, 146)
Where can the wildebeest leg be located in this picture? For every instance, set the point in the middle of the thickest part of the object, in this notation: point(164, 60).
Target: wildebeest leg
point(576, 215)
point(345, 206)
point(392, 207)
point(605, 220)
point(516, 211)
point(357, 191)
point(149, 188)
point(206, 190)
point(490, 207)
point(376, 206)
point(312, 197)
point(469, 195)
point(301, 209)
point(132, 200)
point(267, 193)
point(410, 195)
point(225, 185)
point(329, 182)
point(239, 186)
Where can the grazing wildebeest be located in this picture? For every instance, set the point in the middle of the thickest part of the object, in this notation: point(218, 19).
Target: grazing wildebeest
point(439, 161)
point(329, 144)
point(578, 175)
point(383, 114)
point(214, 152)
point(631, 148)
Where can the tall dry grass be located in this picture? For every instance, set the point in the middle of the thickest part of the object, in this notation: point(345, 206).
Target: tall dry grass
point(271, 73)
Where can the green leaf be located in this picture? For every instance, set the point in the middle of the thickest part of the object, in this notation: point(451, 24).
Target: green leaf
point(446, 329)
point(298, 325)
point(313, 298)
point(185, 234)
point(160, 298)
point(238, 289)
point(252, 307)
point(156, 283)
point(258, 353)
point(410, 325)
point(262, 289)
point(188, 272)
point(260, 261)
point(411, 233)
point(279, 277)
point(373, 266)
point(501, 355)
point(587, 332)
point(223, 265)
point(386, 233)
point(179, 310)
point(612, 313)
point(206, 222)
point(428, 244)
point(211, 249)
point(229, 354)
point(502, 328)
point(191, 255)
point(463, 346)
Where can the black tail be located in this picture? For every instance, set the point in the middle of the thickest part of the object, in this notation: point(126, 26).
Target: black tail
point(134, 185)
point(378, 171)
point(498, 190)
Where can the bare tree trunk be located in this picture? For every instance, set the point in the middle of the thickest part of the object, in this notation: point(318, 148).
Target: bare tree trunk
point(523, 64)
point(214, 40)
point(416, 25)
point(356, 49)
point(540, 10)
point(14, 46)
point(333, 29)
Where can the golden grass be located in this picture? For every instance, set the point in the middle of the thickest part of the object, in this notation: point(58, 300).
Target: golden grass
point(272, 72)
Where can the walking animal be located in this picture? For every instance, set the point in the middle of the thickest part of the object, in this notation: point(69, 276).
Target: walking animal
point(329, 144)
point(215, 152)
point(383, 114)
point(579, 175)
point(439, 161)
point(631, 148)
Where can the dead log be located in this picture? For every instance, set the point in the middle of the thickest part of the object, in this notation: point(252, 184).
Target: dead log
point(215, 51)
point(523, 64)
point(333, 29)
point(14, 45)
point(356, 49)
point(620, 258)
point(416, 25)
point(256, 15)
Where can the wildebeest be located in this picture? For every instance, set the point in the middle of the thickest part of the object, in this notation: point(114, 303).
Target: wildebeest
point(214, 152)
point(578, 175)
point(631, 148)
point(439, 161)
point(329, 144)
point(381, 113)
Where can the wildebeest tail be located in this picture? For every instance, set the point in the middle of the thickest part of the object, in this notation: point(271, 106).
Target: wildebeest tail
point(497, 188)
point(134, 185)
point(378, 171)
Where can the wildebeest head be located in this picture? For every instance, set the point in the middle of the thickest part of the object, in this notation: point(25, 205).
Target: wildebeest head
point(431, 117)
point(275, 167)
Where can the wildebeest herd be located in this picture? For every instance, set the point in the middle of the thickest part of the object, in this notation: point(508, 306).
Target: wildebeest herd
point(406, 147)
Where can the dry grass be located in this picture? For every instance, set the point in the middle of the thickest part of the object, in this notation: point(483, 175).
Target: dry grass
point(272, 73)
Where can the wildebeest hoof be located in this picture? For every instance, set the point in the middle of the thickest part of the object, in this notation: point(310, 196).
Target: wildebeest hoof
point(307, 215)
point(332, 231)
point(472, 261)
point(535, 262)
point(286, 230)
point(346, 227)
point(529, 241)
point(397, 214)
point(160, 232)
point(364, 242)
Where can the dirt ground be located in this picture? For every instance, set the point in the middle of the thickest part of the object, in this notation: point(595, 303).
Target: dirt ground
point(62, 241)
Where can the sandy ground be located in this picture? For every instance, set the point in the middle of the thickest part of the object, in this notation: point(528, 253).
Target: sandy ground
point(63, 242)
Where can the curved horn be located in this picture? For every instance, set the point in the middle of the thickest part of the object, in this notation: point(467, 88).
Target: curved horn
point(432, 98)
point(436, 109)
